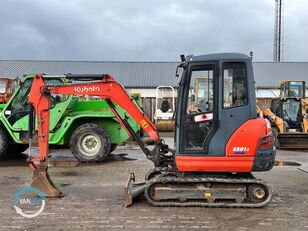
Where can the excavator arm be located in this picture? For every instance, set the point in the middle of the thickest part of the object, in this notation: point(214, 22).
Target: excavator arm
point(105, 87)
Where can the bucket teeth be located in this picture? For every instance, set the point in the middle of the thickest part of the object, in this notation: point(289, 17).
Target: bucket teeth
point(42, 181)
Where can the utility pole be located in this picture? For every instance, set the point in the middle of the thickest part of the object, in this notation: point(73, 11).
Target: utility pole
point(278, 33)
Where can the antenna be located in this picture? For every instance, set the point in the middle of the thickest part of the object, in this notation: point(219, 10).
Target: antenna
point(278, 32)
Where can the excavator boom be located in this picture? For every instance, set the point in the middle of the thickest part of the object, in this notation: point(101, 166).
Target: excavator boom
point(105, 87)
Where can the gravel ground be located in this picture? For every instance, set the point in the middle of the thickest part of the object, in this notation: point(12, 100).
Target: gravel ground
point(94, 198)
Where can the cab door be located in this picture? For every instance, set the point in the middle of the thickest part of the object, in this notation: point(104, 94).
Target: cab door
point(199, 108)
point(236, 106)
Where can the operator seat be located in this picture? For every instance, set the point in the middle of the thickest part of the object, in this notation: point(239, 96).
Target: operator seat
point(165, 106)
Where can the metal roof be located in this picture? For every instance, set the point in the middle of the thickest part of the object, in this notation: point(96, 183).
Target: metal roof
point(130, 74)
point(146, 74)
point(268, 74)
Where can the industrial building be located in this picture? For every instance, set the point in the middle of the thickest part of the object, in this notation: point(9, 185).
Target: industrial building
point(144, 77)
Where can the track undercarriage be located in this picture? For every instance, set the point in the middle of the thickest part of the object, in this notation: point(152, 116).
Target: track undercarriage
point(164, 187)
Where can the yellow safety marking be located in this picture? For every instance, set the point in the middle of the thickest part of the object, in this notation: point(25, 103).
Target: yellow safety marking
point(207, 194)
point(144, 123)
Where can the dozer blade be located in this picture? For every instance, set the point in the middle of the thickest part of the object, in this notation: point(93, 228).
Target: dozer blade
point(293, 140)
point(133, 189)
point(42, 181)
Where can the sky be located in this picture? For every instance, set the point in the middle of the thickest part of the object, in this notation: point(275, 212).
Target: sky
point(148, 30)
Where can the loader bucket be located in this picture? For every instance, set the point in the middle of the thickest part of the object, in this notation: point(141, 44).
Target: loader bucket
point(42, 181)
point(296, 140)
point(133, 189)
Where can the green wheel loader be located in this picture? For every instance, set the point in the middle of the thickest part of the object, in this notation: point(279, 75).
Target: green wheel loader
point(88, 126)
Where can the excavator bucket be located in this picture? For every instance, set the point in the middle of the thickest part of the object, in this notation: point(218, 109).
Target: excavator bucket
point(42, 181)
point(298, 140)
point(133, 189)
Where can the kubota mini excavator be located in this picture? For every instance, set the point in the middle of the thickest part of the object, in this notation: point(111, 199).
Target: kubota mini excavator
point(217, 146)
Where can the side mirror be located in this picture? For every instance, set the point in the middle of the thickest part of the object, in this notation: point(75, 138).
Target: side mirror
point(17, 82)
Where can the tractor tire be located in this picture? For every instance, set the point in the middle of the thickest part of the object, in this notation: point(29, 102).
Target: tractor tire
point(16, 149)
point(275, 134)
point(4, 141)
point(90, 143)
point(113, 147)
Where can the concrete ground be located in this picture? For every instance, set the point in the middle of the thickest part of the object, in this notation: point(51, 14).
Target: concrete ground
point(94, 199)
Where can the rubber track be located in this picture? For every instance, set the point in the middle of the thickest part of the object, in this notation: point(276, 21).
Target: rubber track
point(200, 203)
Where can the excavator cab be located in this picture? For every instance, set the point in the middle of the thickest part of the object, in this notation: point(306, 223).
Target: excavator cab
point(292, 89)
point(216, 98)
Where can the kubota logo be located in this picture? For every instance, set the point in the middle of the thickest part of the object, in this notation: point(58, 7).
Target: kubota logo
point(85, 89)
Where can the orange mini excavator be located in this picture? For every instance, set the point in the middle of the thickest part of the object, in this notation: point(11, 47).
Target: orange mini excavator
point(219, 140)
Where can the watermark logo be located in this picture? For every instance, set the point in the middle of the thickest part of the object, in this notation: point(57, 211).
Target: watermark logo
point(29, 202)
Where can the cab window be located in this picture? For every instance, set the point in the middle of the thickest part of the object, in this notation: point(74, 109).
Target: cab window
point(200, 108)
point(201, 91)
point(235, 85)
